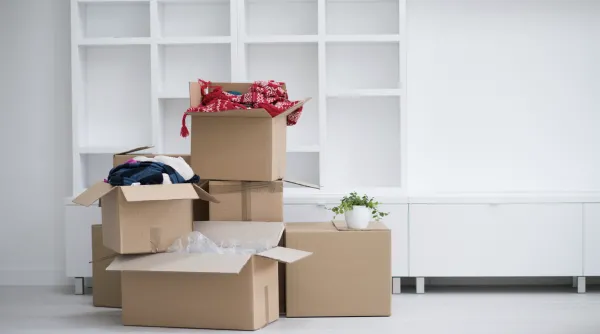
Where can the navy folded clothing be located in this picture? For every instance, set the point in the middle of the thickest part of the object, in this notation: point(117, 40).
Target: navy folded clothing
point(145, 172)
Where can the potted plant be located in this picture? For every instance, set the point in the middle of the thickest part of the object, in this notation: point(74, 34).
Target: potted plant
point(358, 211)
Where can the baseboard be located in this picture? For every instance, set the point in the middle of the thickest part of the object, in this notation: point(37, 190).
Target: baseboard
point(33, 277)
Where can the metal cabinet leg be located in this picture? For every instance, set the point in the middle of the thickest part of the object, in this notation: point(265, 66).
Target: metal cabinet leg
point(79, 286)
point(574, 281)
point(420, 284)
point(580, 284)
point(396, 288)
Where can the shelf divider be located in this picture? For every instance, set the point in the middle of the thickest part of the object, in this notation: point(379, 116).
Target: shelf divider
point(108, 41)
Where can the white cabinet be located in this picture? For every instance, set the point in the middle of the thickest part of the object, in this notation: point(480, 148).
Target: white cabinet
point(78, 240)
point(591, 242)
point(466, 240)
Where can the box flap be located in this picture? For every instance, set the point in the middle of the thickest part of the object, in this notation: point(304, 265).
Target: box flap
point(373, 226)
point(93, 193)
point(303, 184)
point(159, 192)
point(203, 195)
point(141, 148)
point(285, 255)
point(225, 232)
point(181, 263)
point(246, 113)
point(293, 108)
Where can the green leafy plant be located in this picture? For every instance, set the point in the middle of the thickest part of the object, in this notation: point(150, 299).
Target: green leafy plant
point(349, 201)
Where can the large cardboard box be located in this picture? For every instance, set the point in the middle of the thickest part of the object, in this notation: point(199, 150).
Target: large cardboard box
point(123, 157)
point(107, 284)
point(214, 291)
point(348, 275)
point(143, 219)
point(238, 145)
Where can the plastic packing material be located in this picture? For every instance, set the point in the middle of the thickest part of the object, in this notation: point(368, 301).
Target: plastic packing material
point(196, 242)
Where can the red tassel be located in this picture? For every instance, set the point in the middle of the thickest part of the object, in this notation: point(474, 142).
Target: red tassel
point(184, 130)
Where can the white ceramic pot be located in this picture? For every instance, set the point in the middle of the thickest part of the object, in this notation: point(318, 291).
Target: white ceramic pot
point(358, 218)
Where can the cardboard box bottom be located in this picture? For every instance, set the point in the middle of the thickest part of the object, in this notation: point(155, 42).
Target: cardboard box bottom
point(246, 301)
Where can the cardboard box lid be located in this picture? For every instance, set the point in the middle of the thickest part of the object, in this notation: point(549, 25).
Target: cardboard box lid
point(373, 226)
point(219, 232)
point(133, 150)
point(157, 192)
point(196, 99)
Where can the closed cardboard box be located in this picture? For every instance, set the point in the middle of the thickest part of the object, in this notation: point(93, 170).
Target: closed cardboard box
point(238, 145)
point(123, 157)
point(143, 219)
point(246, 201)
point(349, 273)
point(107, 284)
point(213, 291)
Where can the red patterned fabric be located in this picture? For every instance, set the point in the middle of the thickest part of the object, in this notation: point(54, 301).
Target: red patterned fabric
point(268, 95)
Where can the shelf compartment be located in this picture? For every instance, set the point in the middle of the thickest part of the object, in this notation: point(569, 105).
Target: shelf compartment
point(364, 93)
point(115, 19)
point(302, 167)
point(353, 66)
point(363, 142)
point(108, 41)
point(181, 64)
point(171, 111)
point(362, 17)
point(192, 19)
point(116, 111)
point(296, 65)
point(277, 17)
point(194, 40)
point(362, 38)
point(95, 168)
point(282, 39)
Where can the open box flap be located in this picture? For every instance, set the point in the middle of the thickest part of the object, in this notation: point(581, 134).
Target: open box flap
point(225, 232)
point(181, 263)
point(203, 195)
point(293, 108)
point(303, 184)
point(159, 192)
point(373, 226)
point(93, 193)
point(285, 255)
point(141, 148)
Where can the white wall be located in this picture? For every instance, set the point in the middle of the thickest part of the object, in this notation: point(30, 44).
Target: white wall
point(503, 95)
point(35, 131)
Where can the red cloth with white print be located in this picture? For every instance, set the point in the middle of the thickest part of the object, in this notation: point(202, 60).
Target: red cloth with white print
point(268, 95)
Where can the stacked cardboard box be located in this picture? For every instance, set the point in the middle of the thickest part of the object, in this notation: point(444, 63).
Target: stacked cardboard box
point(242, 154)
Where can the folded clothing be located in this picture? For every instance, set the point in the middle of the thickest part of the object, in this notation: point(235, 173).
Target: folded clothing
point(269, 95)
point(144, 173)
point(178, 164)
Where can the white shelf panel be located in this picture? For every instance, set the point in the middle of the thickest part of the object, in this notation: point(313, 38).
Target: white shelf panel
point(105, 149)
point(194, 40)
point(181, 64)
point(113, 1)
point(362, 38)
point(194, 18)
point(171, 111)
point(363, 143)
point(364, 93)
point(303, 167)
point(296, 65)
point(115, 19)
point(108, 41)
point(353, 66)
point(277, 17)
point(362, 17)
point(117, 96)
point(304, 149)
point(281, 39)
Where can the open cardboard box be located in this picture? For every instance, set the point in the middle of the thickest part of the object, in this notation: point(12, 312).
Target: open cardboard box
point(214, 291)
point(238, 145)
point(144, 219)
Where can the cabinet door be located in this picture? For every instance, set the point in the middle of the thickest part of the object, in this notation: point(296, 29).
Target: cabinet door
point(397, 221)
point(78, 242)
point(496, 240)
point(591, 251)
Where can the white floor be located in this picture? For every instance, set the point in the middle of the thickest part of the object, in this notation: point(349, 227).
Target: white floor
point(456, 310)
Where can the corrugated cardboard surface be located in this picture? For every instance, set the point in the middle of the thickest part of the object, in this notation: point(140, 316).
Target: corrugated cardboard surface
point(107, 284)
point(246, 301)
point(247, 201)
point(349, 273)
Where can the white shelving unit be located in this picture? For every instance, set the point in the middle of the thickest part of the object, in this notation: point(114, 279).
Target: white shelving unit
point(132, 60)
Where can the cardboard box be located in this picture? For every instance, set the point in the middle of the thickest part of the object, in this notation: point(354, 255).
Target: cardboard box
point(238, 145)
point(107, 284)
point(143, 219)
point(349, 274)
point(123, 157)
point(214, 291)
